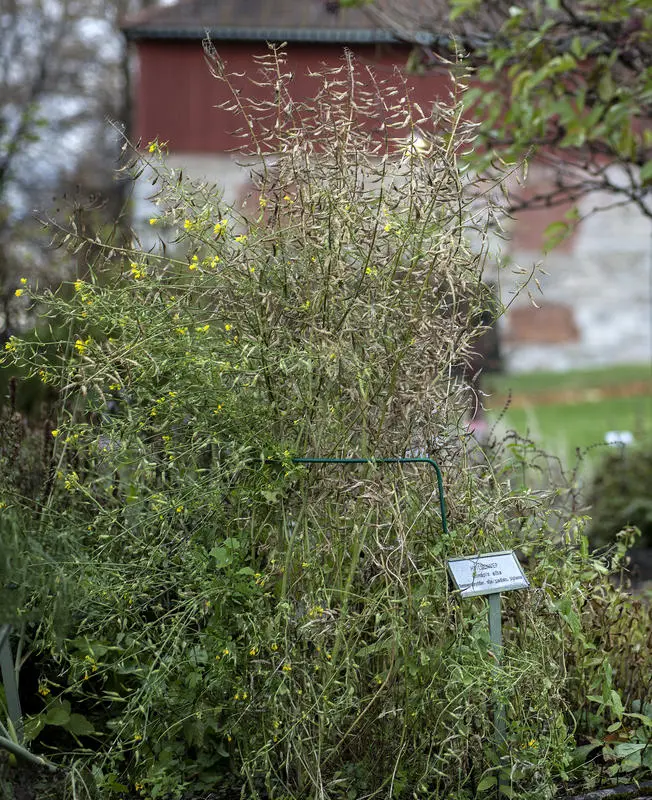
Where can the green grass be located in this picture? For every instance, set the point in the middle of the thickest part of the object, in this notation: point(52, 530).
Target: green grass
point(562, 412)
point(528, 383)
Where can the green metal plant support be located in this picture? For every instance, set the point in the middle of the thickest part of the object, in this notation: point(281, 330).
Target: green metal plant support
point(415, 460)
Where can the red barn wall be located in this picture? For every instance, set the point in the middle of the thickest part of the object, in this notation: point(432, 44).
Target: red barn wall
point(177, 96)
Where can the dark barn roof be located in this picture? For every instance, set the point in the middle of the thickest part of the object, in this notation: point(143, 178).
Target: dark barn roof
point(257, 20)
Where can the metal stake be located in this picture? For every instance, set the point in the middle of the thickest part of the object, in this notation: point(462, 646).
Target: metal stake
point(496, 638)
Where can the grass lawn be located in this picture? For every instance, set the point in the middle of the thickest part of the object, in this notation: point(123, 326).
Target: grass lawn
point(566, 411)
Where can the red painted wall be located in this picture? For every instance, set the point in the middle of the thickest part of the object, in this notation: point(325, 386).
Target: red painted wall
point(176, 96)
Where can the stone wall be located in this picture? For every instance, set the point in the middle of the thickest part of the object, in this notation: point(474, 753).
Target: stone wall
point(595, 304)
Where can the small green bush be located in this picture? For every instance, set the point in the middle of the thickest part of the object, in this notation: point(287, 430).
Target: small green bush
point(620, 495)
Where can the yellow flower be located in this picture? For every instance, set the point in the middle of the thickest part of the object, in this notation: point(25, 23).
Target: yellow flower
point(387, 228)
point(262, 202)
point(228, 327)
point(193, 263)
point(226, 651)
point(82, 345)
point(3, 505)
point(287, 668)
point(241, 238)
point(153, 147)
point(19, 292)
point(288, 199)
point(214, 262)
point(218, 409)
point(274, 647)
point(229, 738)
point(114, 387)
point(23, 281)
point(188, 224)
point(153, 220)
point(181, 330)
point(220, 227)
point(139, 786)
point(137, 271)
point(55, 432)
point(43, 690)
point(202, 329)
point(179, 509)
point(253, 651)
point(78, 285)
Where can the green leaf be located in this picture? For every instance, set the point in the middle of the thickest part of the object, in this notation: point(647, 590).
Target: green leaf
point(222, 557)
point(580, 754)
point(79, 725)
point(58, 713)
point(606, 88)
point(33, 727)
point(647, 721)
point(624, 749)
point(488, 782)
point(616, 703)
point(646, 172)
point(595, 698)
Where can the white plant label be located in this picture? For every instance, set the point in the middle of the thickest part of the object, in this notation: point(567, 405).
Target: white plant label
point(487, 573)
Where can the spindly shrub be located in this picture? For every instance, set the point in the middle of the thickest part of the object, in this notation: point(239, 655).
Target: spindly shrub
point(235, 618)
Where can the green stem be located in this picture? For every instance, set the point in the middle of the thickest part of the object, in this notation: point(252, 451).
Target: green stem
point(21, 752)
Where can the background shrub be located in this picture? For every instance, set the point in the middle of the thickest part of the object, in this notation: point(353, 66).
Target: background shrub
point(620, 495)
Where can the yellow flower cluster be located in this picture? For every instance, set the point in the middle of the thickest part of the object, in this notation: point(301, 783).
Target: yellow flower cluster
point(81, 345)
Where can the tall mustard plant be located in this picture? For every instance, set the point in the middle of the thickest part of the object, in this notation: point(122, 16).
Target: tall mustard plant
point(235, 619)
